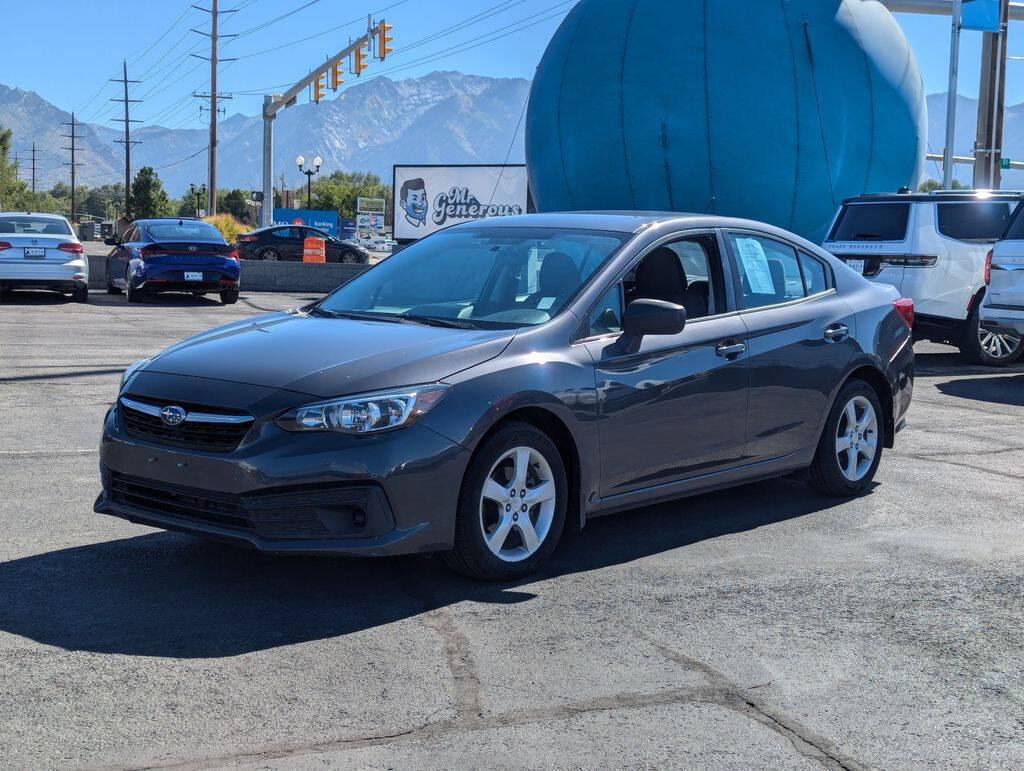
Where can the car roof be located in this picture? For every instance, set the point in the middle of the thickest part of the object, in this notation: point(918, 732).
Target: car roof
point(945, 196)
point(164, 220)
point(44, 215)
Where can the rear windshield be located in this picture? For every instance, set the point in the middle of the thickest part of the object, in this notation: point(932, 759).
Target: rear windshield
point(45, 226)
point(184, 231)
point(871, 222)
point(974, 220)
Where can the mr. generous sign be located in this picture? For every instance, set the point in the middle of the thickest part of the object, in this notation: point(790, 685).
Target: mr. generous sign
point(429, 198)
point(459, 203)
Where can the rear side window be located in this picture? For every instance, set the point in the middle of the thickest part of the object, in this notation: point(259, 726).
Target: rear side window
point(871, 222)
point(814, 274)
point(769, 270)
point(974, 220)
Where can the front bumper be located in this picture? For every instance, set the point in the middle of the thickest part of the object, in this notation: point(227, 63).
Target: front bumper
point(395, 493)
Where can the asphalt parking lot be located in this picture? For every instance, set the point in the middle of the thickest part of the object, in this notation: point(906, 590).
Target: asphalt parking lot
point(763, 626)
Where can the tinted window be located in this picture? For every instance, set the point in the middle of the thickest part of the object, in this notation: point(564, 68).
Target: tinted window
point(184, 230)
point(974, 220)
point(815, 278)
point(871, 222)
point(769, 270)
point(48, 226)
point(1016, 229)
point(490, 275)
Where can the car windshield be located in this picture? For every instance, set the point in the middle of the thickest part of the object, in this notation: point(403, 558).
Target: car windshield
point(43, 226)
point(482, 276)
point(184, 230)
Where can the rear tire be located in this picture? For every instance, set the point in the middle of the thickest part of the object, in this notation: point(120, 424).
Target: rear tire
point(132, 295)
point(855, 423)
point(81, 295)
point(502, 535)
point(229, 296)
point(989, 349)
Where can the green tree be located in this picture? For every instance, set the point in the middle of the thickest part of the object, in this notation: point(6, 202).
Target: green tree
point(236, 203)
point(188, 205)
point(148, 196)
point(340, 190)
point(933, 184)
point(13, 191)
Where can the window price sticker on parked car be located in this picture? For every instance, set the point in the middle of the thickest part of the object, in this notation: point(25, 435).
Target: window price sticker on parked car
point(755, 265)
point(193, 275)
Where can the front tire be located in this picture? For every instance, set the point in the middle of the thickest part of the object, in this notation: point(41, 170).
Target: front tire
point(350, 258)
point(990, 349)
point(512, 506)
point(111, 289)
point(270, 255)
point(850, 447)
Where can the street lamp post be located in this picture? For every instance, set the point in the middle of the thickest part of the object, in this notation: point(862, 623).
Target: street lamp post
point(309, 177)
point(196, 191)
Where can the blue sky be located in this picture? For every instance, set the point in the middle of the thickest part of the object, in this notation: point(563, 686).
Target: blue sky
point(483, 37)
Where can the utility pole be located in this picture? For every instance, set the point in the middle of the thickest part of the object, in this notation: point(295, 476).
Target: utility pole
point(73, 148)
point(215, 12)
point(127, 141)
point(33, 167)
point(954, 68)
point(991, 92)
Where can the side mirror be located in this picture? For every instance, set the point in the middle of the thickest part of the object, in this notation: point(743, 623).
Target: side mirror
point(109, 241)
point(650, 317)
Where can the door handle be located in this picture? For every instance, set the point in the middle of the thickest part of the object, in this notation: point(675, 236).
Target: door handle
point(730, 350)
point(836, 332)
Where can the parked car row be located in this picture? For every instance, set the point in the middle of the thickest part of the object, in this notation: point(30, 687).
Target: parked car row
point(287, 242)
point(940, 249)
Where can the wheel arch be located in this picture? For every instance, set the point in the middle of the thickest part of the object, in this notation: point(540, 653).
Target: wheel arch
point(555, 427)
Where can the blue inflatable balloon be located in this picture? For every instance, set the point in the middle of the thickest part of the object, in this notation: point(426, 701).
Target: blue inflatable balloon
point(774, 111)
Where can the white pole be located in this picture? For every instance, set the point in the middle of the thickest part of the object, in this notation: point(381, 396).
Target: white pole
point(995, 103)
point(954, 60)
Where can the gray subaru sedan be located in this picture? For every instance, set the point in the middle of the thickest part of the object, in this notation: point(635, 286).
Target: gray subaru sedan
point(499, 381)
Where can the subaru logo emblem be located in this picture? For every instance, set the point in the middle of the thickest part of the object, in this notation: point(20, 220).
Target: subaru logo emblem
point(172, 416)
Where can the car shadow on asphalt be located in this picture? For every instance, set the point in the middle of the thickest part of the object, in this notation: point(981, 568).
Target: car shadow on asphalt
point(954, 364)
point(1001, 389)
point(172, 595)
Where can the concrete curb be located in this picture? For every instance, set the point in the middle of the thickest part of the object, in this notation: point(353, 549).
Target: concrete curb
point(265, 276)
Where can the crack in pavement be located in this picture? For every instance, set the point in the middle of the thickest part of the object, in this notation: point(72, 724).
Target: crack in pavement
point(971, 466)
point(735, 697)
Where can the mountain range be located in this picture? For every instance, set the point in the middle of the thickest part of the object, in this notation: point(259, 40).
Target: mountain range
point(443, 117)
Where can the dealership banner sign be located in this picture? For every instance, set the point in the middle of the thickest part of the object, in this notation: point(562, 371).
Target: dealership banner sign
point(326, 221)
point(429, 198)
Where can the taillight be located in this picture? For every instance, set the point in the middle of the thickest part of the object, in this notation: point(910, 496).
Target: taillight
point(150, 251)
point(988, 267)
point(905, 307)
point(233, 255)
point(5, 245)
point(245, 239)
point(909, 260)
point(71, 248)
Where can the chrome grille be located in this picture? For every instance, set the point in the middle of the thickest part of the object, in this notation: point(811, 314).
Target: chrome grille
point(209, 429)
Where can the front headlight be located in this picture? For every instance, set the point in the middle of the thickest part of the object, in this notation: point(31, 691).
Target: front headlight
point(365, 413)
point(132, 369)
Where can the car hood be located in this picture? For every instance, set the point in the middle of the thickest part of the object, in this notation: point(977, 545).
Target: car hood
point(329, 357)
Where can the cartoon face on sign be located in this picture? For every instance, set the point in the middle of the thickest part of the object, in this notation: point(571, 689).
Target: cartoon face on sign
point(413, 200)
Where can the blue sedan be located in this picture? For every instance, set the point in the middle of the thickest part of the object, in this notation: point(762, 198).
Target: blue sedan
point(172, 255)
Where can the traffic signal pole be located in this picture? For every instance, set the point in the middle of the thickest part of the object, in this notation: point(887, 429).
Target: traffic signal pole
point(273, 104)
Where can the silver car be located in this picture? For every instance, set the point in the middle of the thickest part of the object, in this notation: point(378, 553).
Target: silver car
point(40, 251)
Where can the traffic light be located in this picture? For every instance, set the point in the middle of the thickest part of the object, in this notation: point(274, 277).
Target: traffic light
point(383, 38)
point(359, 59)
point(336, 73)
point(318, 87)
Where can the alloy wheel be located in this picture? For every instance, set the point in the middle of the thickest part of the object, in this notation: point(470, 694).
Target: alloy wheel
point(856, 438)
point(270, 255)
point(517, 504)
point(998, 345)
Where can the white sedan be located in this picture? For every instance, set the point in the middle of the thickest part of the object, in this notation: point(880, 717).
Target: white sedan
point(40, 251)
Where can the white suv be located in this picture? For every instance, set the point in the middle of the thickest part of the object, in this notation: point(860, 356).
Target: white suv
point(1002, 312)
point(932, 247)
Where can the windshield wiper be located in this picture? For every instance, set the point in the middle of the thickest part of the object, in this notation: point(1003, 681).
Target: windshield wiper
point(358, 315)
point(438, 321)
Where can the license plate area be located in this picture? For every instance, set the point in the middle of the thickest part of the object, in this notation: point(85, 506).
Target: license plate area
point(193, 275)
point(856, 265)
point(35, 252)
